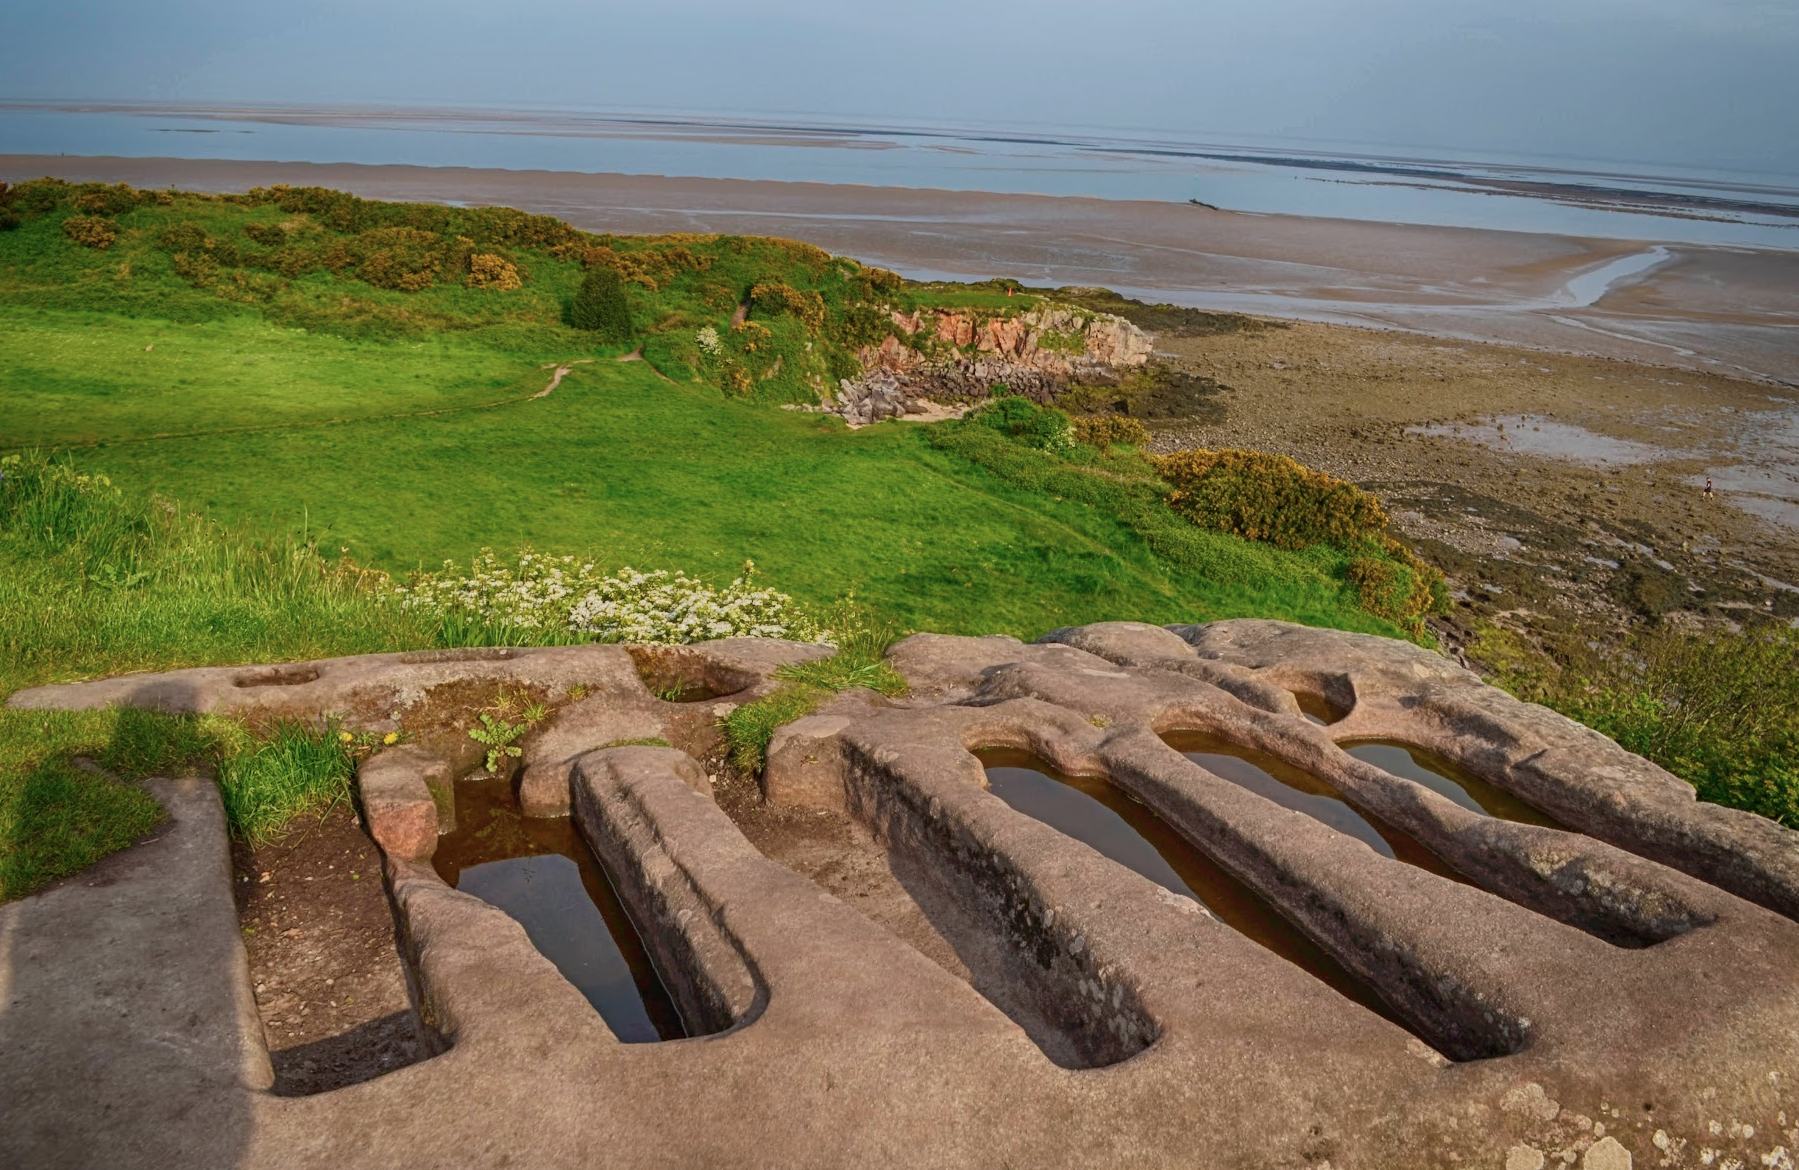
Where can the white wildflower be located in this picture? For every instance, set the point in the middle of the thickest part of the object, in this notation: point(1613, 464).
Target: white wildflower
point(542, 592)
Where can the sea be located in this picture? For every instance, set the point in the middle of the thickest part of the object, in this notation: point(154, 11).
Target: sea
point(1618, 199)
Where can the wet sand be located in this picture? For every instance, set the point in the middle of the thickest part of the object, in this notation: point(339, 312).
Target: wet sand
point(1563, 494)
point(1702, 308)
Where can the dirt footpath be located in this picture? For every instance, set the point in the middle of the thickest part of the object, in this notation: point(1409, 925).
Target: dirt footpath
point(1564, 495)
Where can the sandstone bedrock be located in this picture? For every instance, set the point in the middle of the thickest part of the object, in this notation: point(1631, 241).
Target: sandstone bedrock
point(1622, 992)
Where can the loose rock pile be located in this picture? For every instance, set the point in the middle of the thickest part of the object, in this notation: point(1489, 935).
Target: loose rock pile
point(876, 395)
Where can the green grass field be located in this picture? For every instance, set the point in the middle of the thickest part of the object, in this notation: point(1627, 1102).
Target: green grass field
point(622, 464)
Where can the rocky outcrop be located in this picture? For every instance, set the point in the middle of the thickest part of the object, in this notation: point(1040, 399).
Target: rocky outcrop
point(874, 396)
point(947, 955)
point(962, 353)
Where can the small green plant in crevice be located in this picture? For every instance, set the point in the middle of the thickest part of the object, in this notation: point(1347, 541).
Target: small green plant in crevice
point(497, 734)
point(859, 662)
point(646, 741)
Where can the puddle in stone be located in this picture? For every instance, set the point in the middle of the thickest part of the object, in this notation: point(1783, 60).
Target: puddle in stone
point(539, 871)
point(1447, 779)
point(1318, 710)
point(1092, 811)
point(697, 694)
point(1291, 788)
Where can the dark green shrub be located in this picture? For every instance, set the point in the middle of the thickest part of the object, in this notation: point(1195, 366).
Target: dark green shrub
point(271, 235)
point(600, 306)
point(183, 237)
point(36, 196)
point(115, 200)
point(1042, 427)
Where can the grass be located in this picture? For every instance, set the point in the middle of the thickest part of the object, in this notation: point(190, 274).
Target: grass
point(75, 378)
point(268, 781)
point(58, 816)
point(653, 475)
point(1718, 709)
point(805, 686)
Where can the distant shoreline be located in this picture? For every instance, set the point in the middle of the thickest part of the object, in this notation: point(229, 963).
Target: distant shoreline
point(1732, 311)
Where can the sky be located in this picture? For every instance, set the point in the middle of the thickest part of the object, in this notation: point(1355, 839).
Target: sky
point(1709, 83)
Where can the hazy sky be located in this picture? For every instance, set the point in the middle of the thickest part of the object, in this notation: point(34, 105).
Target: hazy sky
point(1711, 82)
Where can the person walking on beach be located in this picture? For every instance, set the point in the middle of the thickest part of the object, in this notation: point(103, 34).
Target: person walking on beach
point(1708, 487)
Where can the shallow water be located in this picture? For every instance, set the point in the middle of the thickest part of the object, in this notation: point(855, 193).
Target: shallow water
point(1291, 788)
point(539, 871)
point(1092, 811)
point(1318, 711)
point(1447, 779)
point(1532, 434)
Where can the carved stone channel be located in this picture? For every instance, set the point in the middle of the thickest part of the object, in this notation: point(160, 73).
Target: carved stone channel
point(1573, 962)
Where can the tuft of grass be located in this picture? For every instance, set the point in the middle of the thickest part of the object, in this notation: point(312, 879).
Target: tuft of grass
point(805, 686)
point(750, 727)
point(292, 770)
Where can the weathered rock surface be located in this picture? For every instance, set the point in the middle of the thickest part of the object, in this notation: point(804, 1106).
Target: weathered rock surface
point(1035, 354)
point(1623, 991)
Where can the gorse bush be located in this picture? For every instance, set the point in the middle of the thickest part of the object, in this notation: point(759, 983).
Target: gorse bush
point(1268, 497)
point(774, 300)
point(1103, 430)
point(91, 231)
point(600, 306)
point(1272, 498)
point(493, 272)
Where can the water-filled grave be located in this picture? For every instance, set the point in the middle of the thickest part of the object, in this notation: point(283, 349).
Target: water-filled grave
point(540, 871)
point(1092, 810)
point(1302, 792)
point(1447, 779)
